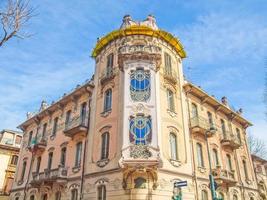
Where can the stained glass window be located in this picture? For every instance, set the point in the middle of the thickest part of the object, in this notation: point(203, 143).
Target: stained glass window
point(140, 130)
point(140, 85)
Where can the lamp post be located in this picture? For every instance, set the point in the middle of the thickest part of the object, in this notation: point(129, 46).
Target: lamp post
point(212, 183)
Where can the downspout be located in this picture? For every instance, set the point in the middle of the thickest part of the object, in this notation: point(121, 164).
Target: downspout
point(191, 149)
point(26, 185)
point(84, 152)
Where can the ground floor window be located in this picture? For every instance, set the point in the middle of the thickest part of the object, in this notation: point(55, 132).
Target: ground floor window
point(101, 190)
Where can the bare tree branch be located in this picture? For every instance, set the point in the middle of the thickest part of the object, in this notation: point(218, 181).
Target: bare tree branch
point(257, 146)
point(14, 17)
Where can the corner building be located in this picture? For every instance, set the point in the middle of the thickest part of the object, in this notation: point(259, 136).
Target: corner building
point(135, 129)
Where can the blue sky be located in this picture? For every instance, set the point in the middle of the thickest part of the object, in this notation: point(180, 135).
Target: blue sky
point(226, 44)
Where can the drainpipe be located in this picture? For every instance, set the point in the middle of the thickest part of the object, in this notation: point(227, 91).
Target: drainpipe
point(84, 152)
point(192, 150)
point(26, 185)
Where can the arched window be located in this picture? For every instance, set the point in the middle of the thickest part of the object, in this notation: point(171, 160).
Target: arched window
point(83, 113)
point(140, 183)
point(109, 64)
point(140, 129)
point(44, 197)
point(168, 64)
point(173, 146)
point(67, 120)
point(245, 169)
point(215, 157)
point(210, 119)
point(170, 99)
point(229, 162)
point(30, 138)
point(58, 195)
point(235, 197)
point(140, 85)
point(32, 197)
point(105, 145)
point(78, 156)
point(55, 126)
point(38, 164)
point(101, 192)
point(223, 128)
point(14, 160)
point(200, 155)
point(194, 110)
point(50, 160)
point(44, 129)
point(74, 194)
point(204, 195)
point(23, 170)
point(251, 198)
point(108, 100)
point(17, 198)
point(238, 135)
point(63, 156)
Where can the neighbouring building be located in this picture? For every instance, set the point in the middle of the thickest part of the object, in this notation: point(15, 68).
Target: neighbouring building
point(260, 167)
point(10, 142)
point(135, 129)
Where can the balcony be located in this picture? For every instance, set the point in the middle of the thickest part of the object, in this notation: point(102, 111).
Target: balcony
point(224, 177)
point(48, 177)
point(200, 125)
point(77, 125)
point(230, 140)
point(107, 75)
point(38, 144)
point(170, 76)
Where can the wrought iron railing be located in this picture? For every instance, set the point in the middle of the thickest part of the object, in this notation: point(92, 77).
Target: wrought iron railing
point(51, 174)
point(77, 121)
point(201, 122)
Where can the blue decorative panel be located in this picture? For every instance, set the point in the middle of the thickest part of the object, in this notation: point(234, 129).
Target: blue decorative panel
point(140, 85)
point(140, 130)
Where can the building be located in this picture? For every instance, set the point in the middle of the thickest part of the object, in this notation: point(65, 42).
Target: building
point(9, 150)
point(135, 129)
point(260, 167)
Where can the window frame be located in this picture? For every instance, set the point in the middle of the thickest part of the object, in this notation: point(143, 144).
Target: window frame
point(105, 137)
point(108, 100)
point(170, 100)
point(101, 192)
point(78, 154)
point(174, 152)
point(200, 155)
point(63, 153)
point(55, 126)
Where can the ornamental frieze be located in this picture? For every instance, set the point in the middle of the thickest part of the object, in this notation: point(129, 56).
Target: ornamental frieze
point(139, 48)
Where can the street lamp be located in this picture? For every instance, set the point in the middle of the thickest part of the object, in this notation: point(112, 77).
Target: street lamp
point(212, 130)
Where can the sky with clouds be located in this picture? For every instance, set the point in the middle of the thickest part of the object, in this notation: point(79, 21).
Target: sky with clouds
point(226, 44)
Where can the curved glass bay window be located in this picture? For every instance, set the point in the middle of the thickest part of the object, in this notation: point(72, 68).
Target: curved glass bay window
point(140, 85)
point(140, 130)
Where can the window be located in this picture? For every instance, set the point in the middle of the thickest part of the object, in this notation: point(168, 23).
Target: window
point(210, 119)
point(140, 85)
point(235, 197)
point(63, 157)
point(109, 64)
point(215, 157)
point(32, 197)
point(58, 195)
point(38, 164)
point(173, 146)
point(245, 169)
point(18, 139)
point(140, 129)
point(17, 198)
point(50, 159)
point(223, 128)
point(238, 135)
point(170, 100)
point(105, 145)
point(14, 160)
point(200, 155)
point(83, 113)
point(194, 110)
point(23, 170)
point(78, 154)
point(74, 194)
point(67, 120)
point(44, 197)
point(30, 138)
point(101, 190)
point(229, 162)
point(55, 126)
point(44, 129)
point(168, 64)
point(108, 100)
point(140, 183)
point(204, 195)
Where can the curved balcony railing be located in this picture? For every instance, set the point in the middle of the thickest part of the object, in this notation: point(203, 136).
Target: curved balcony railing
point(76, 125)
point(201, 125)
point(108, 74)
point(231, 140)
point(38, 143)
point(224, 177)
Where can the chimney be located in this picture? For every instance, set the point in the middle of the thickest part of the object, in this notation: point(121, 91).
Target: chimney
point(240, 111)
point(44, 105)
point(151, 18)
point(126, 18)
point(224, 101)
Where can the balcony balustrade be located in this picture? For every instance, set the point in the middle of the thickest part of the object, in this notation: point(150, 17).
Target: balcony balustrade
point(171, 76)
point(200, 125)
point(230, 140)
point(77, 125)
point(38, 144)
point(224, 177)
point(107, 75)
point(49, 177)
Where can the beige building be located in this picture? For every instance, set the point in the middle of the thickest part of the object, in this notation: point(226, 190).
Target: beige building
point(135, 129)
point(260, 167)
point(9, 150)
